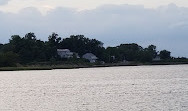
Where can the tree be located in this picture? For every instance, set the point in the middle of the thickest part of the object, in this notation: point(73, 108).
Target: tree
point(148, 54)
point(152, 50)
point(30, 36)
point(8, 59)
point(54, 40)
point(82, 45)
point(129, 52)
point(51, 46)
point(1, 46)
point(28, 48)
point(164, 54)
point(112, 54)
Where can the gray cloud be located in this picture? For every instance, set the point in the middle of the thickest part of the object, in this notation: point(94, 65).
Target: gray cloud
point(165, 27)
point(3, 2)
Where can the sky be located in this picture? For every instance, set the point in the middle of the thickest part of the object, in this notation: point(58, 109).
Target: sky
point(163, 23)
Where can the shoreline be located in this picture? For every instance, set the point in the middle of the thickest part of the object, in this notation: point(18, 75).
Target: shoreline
point(74, 66)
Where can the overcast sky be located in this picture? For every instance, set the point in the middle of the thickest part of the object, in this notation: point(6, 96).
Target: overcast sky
point(163, 23)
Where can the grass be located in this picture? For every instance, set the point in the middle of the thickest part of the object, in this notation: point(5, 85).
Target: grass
point(88, 65)
point(24, 68)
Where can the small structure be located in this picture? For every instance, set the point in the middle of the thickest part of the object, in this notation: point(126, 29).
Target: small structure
point(157, 58)
point(91, 57)
point(65, 53)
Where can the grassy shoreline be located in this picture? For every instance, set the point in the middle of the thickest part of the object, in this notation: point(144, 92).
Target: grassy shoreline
point(76, 66)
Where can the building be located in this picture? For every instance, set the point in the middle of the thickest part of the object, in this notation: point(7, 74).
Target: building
point(157, 58)
point(91, 57)
point(65, 53)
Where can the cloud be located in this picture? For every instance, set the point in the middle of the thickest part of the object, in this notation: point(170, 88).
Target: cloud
point(3, 2)
point(165, 26)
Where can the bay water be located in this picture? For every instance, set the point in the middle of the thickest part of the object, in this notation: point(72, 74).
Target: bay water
point(130, 88)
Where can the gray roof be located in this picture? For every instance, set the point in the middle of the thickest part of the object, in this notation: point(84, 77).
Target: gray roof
point(63, 50)
point(89, 56)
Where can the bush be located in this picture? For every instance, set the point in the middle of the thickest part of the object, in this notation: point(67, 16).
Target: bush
point(8, 59)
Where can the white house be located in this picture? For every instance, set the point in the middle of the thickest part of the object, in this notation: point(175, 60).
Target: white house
point(91, 57)
point(65, 53)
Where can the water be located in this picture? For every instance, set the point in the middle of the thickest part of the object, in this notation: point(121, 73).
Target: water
point(142, 88)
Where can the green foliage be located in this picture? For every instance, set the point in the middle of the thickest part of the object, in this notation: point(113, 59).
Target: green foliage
point(147, 54)
point(29, 49)
point(130, 52)
point(82, 45)
point(51, 46)
point(8, 59)
point(164, 54)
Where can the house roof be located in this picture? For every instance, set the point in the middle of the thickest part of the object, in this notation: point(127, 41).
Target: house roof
point(63, 50)
point(89, 55)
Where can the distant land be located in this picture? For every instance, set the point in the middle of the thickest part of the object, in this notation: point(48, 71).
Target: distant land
point(28, 51)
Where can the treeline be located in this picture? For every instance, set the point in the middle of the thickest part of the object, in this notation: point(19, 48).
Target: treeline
point(28, 49)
